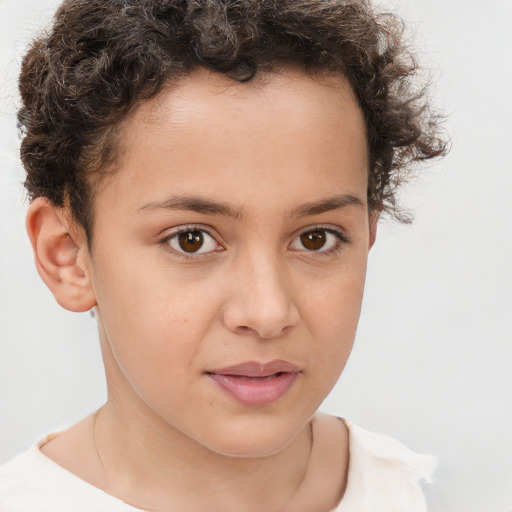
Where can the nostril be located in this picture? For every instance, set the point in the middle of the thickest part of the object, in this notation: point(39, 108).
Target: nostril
point(263, 319)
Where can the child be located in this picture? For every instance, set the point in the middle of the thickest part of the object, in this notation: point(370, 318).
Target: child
point(207, 177)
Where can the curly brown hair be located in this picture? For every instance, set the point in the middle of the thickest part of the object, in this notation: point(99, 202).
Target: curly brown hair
point(101, 57)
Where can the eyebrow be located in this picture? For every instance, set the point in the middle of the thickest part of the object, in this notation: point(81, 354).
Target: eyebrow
point(194, 204)
point(326, 205)
point(209, 207)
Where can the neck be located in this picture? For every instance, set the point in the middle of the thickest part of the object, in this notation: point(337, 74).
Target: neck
point(152, 465)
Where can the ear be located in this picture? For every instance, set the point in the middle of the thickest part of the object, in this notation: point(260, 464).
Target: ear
point(61, 258)
point(374, 219)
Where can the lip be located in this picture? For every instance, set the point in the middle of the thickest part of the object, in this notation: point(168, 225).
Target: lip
point(255, 384)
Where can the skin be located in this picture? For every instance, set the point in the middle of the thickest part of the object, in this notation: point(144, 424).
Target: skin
point(283, 156)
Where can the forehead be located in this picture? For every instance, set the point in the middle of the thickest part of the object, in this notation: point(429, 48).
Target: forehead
point(202, 91)
point(301, 101)
point(210, 129)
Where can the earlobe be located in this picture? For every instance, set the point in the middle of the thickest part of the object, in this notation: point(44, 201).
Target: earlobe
point(59, 256)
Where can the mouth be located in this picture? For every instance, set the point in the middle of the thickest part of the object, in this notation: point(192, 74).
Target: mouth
point(256, 384)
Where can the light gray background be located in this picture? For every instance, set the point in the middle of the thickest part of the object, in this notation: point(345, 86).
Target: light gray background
point(433, 357)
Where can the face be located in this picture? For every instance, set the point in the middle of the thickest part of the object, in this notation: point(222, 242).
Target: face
point(229, 256)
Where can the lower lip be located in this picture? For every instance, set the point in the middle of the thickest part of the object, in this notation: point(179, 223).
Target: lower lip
point(256, 390)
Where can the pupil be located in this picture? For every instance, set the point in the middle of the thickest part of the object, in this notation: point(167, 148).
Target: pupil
point(313, 240)
point(191, 241)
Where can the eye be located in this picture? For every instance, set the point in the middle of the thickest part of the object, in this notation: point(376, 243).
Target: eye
point(192, 241)
point(318, 240)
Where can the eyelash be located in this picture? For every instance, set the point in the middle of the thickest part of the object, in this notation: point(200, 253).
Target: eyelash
point(342, 239)
point(166, 242)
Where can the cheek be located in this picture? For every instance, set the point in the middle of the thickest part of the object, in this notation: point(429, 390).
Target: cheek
point(333, 303)
point(152, 322)
point(156, 318)
point(152, 345)
point(332, 314)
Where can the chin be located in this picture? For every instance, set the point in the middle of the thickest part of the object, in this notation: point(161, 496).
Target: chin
point(249, 448)
point(253, 437)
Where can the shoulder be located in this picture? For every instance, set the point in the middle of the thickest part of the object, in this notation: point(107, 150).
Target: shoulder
point(384, 474)
point(381, 450)
point(21, 485)
point(31, 481)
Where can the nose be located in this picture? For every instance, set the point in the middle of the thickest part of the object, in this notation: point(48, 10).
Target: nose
point(261, 303)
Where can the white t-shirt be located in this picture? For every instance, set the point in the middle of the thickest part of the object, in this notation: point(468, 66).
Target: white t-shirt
point(383, 476)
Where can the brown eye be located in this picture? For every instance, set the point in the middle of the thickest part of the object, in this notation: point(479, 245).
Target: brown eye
point(313, 240)
point(321, 240)
point(191, 241)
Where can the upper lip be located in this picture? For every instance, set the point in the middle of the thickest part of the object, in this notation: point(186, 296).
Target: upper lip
point(257, 369)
